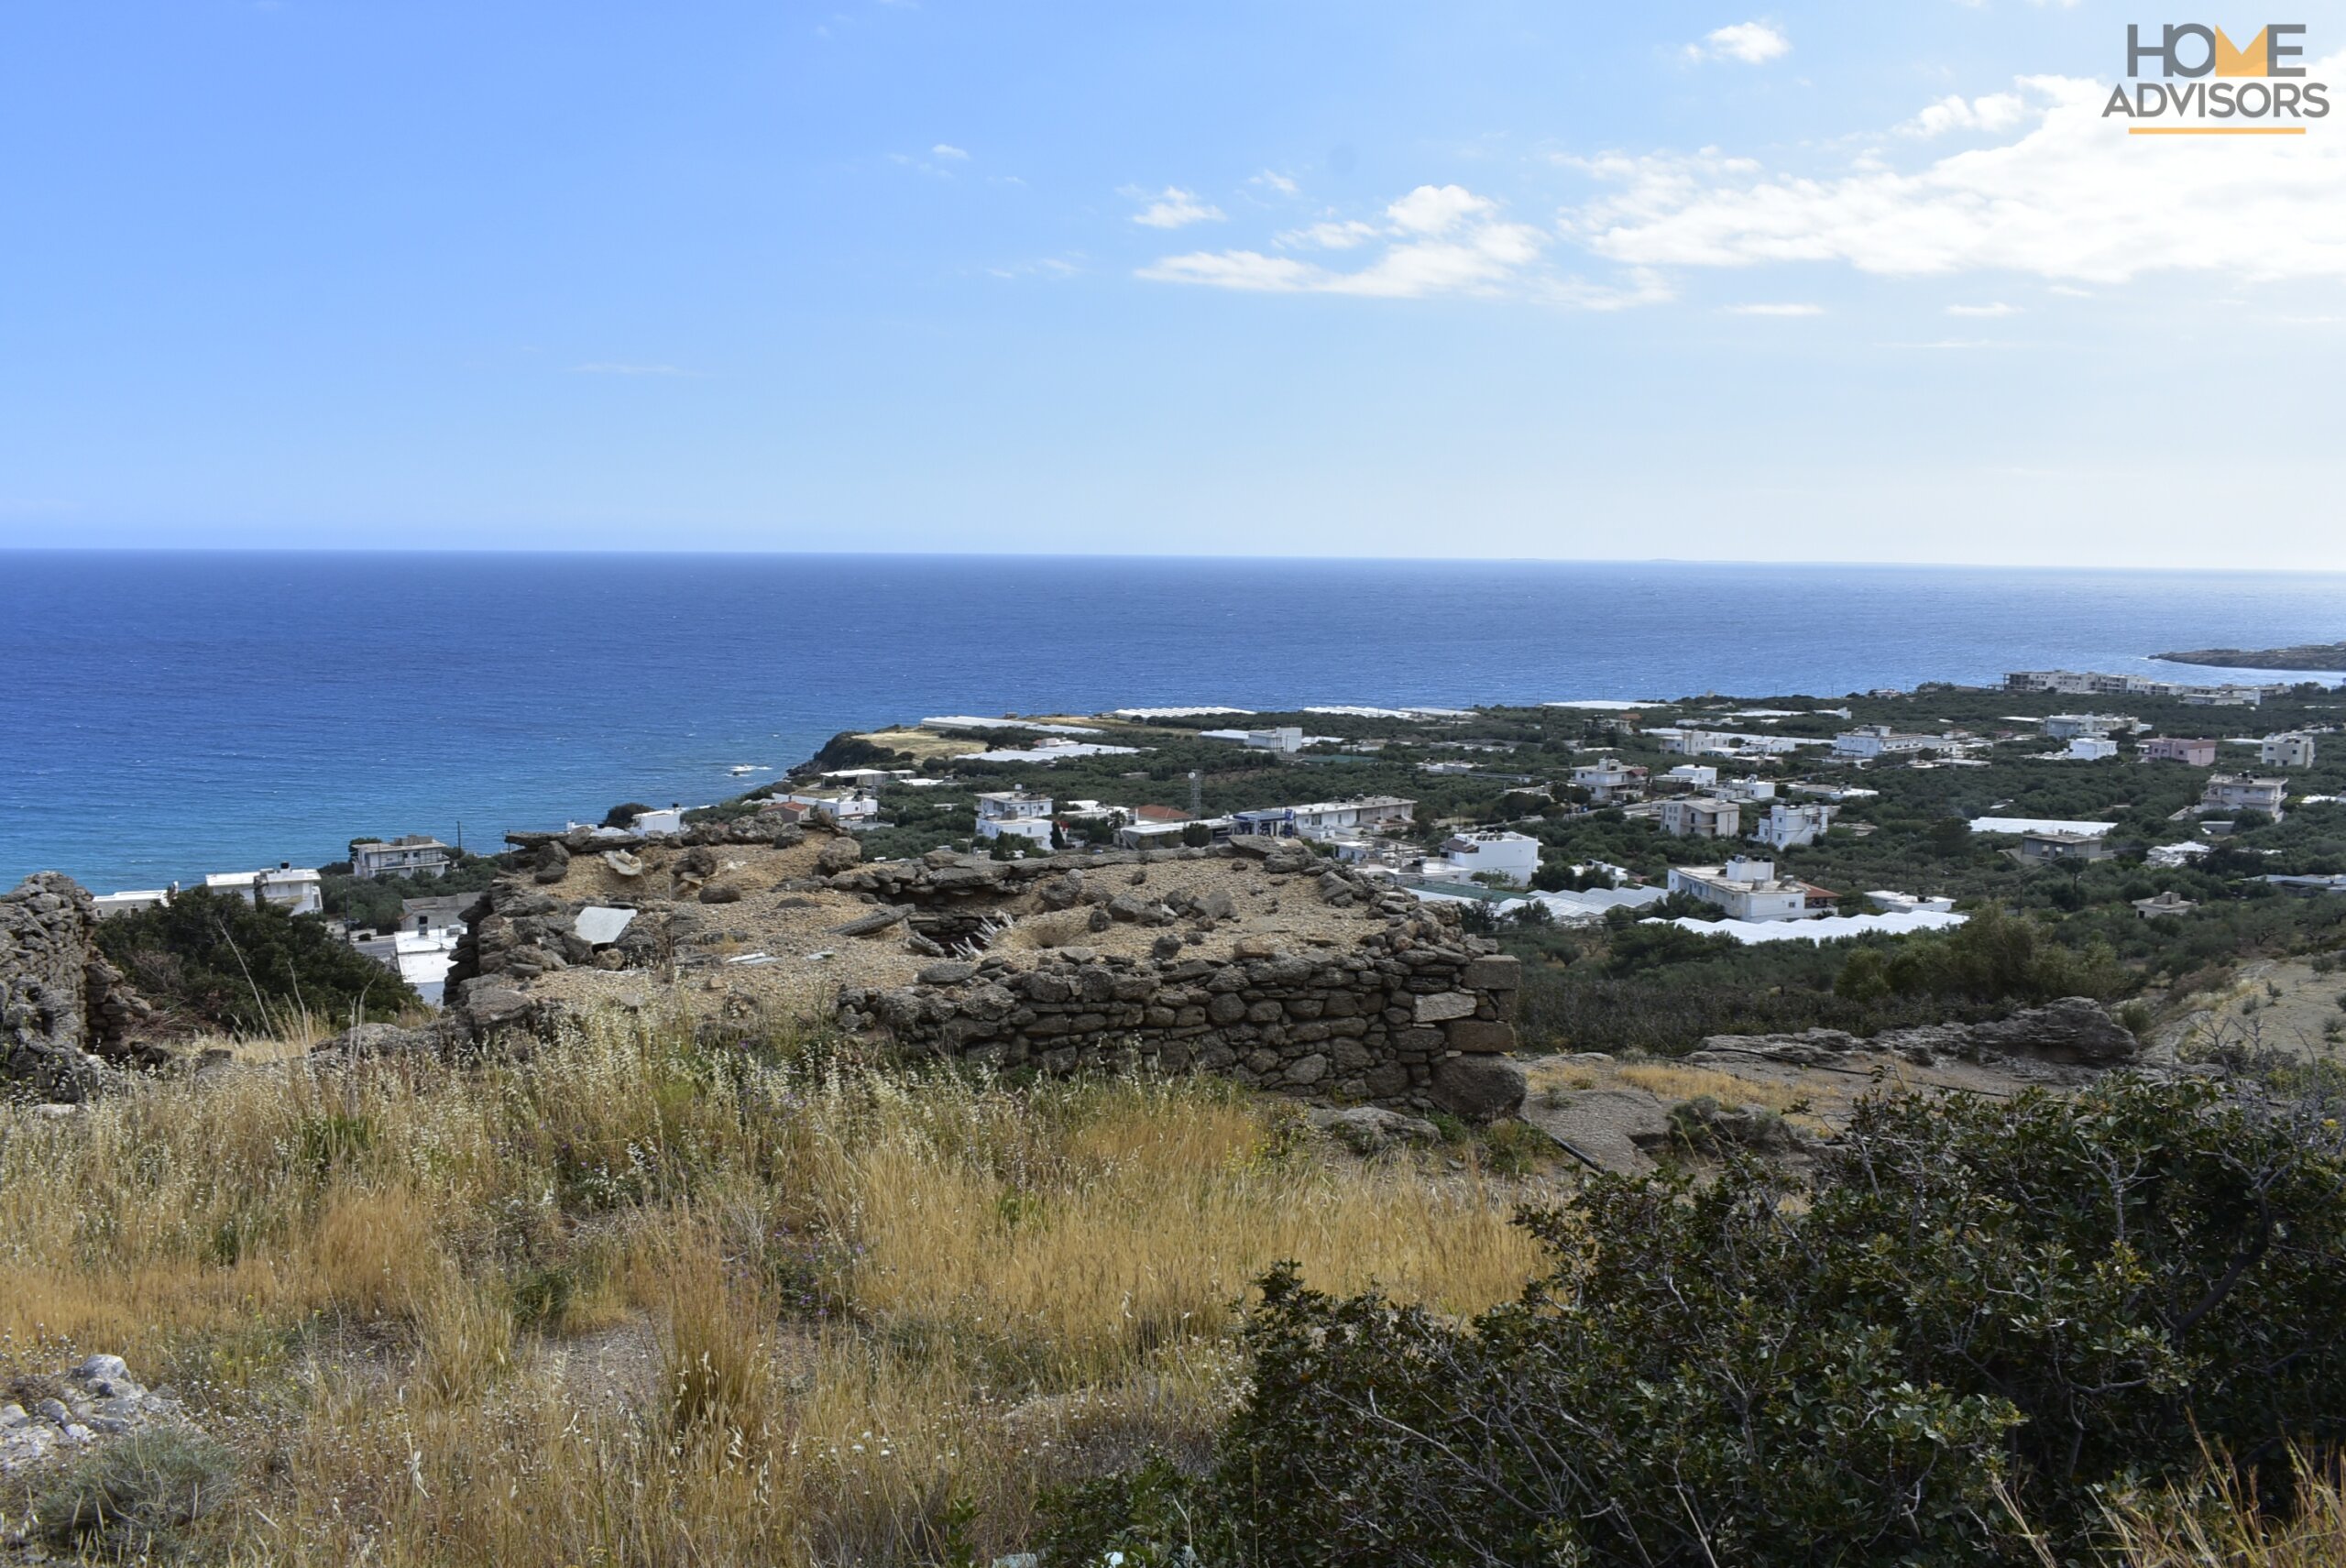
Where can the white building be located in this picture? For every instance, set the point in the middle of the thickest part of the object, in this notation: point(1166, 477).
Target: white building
point(1891, 902)
point(2290, 749)
point(1726, 744)
point(1871, 740)
point(131, 901)
point(2067, 725)
point(667, 819)
point(1326, 819)
point(1790, 827)
point(1285, 738)
point(1016, 813)
point(848, 807)
point(1693, 775)
point(1746, 789)
point(1608, 778)
point(290, 888)
point(2241, 792)
point(1700, 817)
point(2091, 749)
point(1512, 859)
point(1746, 889)
point(417, 854)
point(2094, 683)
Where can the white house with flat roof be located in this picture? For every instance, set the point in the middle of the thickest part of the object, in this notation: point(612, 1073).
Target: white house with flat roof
point(1512, 859)
point(1873, 741)
point(1015, 813)
point(1746, 789)
point(2069, 725)
point(1326, 819)
point(131, 901)
point(848, 807)
point(2243, 792)
point(2292, 749)
point(1693, 775)
point(2091, 749)
point(416, 854)
point(1745, 888)
point(1608, 778)
point(291, 888)
point(1788, 826)
point(1700, 817)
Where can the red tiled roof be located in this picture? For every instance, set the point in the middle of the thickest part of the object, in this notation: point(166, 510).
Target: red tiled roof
point(1160, 813)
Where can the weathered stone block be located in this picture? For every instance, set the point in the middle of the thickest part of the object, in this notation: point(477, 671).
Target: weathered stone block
point(1480, 1036)
point(1493, 975)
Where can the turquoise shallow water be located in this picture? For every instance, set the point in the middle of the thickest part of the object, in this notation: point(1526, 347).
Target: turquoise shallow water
point(164, 715)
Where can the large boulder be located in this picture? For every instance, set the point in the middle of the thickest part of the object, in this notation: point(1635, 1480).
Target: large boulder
point(1480, 1089)
point(2076, 1030)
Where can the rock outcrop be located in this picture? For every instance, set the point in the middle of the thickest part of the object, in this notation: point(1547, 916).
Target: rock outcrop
point(64, 1010)
point(2075, 1031)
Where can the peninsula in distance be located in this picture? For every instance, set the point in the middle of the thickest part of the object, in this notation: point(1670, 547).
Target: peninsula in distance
point(2303, 656)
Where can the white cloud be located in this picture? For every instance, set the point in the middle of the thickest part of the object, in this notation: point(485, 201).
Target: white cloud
point(1776, 310)
point(1437, 239)
point(945, 149)
point(1331, 235)
point(1438, 209)
point(1175, 208)
point(1989, 112)
point(1753, 43)
point(2073, 199)
point(1051, 266)
point(1273, 180)
point(1988, 311)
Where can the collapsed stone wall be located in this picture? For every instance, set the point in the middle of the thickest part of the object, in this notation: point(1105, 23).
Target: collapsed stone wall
point(1401, 1008)
point(62, 1006)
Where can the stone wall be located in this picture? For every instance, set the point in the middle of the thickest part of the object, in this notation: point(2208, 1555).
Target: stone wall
point(1416, 1015)
point(62, 1005)
point(1378, 998)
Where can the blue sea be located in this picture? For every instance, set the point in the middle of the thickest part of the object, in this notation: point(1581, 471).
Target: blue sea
point(166, 715)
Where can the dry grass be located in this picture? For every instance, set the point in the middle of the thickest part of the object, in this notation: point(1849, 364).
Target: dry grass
point(875, 1305)
point(2217, 1522)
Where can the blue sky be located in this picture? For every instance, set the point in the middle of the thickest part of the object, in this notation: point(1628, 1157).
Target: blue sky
point(1509, 279)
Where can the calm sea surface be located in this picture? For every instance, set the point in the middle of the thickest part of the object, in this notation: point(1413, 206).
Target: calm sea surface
point(162, 716)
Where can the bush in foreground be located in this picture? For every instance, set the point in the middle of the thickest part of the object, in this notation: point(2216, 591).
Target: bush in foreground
point(1983, 1314)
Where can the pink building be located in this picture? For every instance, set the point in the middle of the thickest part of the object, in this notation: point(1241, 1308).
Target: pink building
point(2175, 748)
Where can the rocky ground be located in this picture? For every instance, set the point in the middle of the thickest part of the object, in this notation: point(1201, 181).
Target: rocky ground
point(2275, 1004)
point(1776, 1094)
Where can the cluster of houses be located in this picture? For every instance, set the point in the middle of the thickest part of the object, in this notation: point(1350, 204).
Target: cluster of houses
point(2093, 682)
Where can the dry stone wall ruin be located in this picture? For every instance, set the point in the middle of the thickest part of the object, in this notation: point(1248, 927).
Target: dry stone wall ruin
point(62, 1006)
point(1393, 1004)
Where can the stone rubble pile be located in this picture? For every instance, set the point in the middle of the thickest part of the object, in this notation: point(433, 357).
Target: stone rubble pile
point(96, 1401)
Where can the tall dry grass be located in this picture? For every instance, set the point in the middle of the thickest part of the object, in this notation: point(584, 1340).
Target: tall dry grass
point(2218, 1522)
point(628, 1301)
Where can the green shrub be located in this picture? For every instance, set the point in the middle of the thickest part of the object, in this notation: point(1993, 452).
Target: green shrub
point(2037, 1299)
point(213, 960)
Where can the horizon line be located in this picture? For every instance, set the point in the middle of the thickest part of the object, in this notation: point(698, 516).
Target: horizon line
point(356, 552)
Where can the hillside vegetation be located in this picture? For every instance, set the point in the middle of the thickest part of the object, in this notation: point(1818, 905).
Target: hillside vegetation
point(632, 1302)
